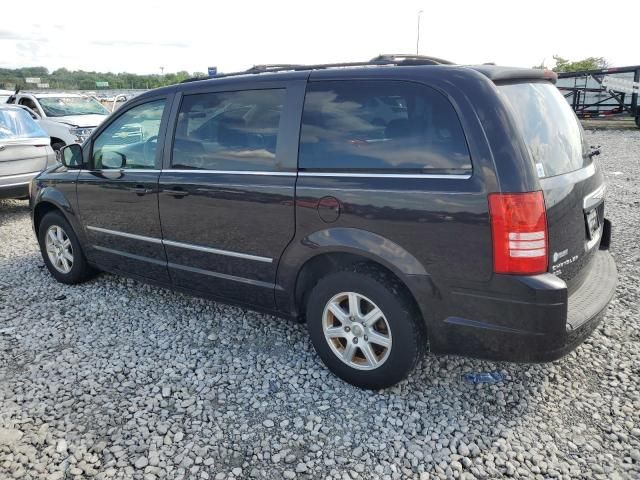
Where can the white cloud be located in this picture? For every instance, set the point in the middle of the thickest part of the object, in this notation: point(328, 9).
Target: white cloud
point(191, 35)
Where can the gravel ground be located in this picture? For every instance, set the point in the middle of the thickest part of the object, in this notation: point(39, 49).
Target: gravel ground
point(115, 379)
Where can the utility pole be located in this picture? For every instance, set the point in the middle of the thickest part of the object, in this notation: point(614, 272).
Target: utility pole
point(161, 70)
point(418, 36)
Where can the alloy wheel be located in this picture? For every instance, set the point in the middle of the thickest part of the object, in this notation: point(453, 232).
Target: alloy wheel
point(357, 331)
point(59, 249)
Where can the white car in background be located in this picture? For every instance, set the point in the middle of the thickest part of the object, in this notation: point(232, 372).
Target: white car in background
point(67, 117)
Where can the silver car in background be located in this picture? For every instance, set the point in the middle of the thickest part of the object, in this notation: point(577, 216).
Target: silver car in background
point(25, 150)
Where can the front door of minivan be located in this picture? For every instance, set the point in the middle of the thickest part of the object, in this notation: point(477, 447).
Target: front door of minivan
point(227, 190)
point(118, 193)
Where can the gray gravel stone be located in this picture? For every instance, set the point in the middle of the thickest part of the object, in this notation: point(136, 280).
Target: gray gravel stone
point(10, 436)
point(61, 447)
point(463, 450)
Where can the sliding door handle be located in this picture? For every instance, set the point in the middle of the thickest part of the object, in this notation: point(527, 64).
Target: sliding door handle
point(141, 190)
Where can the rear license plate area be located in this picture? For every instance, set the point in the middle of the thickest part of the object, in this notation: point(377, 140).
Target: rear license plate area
point(593, 223)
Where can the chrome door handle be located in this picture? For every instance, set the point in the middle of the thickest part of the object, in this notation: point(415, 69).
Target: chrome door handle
point(140, 190)
point(176, 193)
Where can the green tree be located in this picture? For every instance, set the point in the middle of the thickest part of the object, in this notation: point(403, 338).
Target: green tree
point(79, 79)
point(590, 63)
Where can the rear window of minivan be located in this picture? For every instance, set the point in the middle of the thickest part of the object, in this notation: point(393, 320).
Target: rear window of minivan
point(381, 126)
point(551, 131)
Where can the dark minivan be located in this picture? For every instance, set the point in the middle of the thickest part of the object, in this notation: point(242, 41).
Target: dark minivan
point(399, 205)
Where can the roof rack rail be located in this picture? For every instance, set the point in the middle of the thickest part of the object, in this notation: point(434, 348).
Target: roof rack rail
point(386, 59)
point(409, 59)
point(272, 67)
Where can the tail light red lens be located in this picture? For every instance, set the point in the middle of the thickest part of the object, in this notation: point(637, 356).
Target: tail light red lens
point(520, 235)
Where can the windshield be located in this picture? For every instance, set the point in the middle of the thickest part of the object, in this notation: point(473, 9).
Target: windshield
point(551, 130)
point(63, 106)
point(16, 123)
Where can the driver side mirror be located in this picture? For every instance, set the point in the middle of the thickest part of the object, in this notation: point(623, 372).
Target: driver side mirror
point(71, 156)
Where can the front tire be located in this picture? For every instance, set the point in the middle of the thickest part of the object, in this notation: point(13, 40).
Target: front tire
point(365, 327)
point(61, 250)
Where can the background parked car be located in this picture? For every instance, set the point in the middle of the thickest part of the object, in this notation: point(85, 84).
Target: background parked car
point(4, 95)
point(25, 151)
point(66, 117)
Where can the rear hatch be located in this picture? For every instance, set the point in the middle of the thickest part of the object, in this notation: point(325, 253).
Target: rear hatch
point(572, 182)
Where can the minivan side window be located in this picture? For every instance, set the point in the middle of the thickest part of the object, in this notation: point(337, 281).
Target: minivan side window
point(380, 126)
point(229, 131)
point(131, 140)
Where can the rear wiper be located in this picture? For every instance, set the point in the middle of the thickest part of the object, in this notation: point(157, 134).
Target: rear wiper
point(595, 151)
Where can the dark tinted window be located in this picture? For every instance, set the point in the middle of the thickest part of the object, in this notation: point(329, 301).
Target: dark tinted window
point(131, 140)
point(381, 125)
point(229, 130)
point(551, 131)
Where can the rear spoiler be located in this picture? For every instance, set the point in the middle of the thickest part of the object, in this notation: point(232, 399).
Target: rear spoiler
point(506, 74)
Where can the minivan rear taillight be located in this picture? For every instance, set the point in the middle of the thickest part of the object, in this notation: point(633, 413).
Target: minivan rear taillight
point(519, 230)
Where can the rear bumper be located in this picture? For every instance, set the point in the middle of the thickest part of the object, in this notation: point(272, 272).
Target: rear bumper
point(536, 321)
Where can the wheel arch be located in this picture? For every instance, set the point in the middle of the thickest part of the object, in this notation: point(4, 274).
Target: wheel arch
point(51, 199)
point(55, 140)
point(79, 269)
point(331, 250)
point(40, 210)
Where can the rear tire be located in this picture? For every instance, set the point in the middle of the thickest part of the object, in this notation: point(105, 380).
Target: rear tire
point(61, 250)
point(339, 311)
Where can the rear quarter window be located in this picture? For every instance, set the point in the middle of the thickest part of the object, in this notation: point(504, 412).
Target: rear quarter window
point(551, 131)
point(380, 126)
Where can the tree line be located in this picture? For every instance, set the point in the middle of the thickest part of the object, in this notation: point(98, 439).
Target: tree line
point(566, 65)
point(81, 80)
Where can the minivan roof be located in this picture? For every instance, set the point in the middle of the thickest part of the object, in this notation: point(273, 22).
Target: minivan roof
point(494, 73)
point(393, 61)
point(504, 74)
point(383, 66)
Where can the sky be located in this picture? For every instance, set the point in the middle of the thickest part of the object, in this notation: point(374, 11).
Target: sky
point(141, 36)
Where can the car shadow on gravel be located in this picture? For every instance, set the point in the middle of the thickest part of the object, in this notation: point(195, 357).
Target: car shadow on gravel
point(9, 205)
